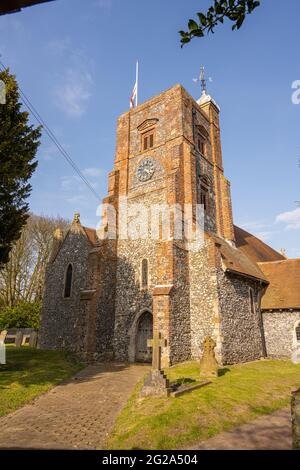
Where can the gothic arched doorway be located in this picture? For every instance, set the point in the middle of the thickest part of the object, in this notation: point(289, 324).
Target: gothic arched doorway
point(144, 332)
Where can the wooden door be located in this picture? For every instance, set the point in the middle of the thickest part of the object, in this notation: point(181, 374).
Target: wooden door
point(144, 332)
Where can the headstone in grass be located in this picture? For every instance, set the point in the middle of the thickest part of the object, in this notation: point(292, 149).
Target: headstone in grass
point(295, 409)
point(156, 383)
point(208, 363)
point(19, 339)
point(295, 357)
point(33, 339)
point(3, 336)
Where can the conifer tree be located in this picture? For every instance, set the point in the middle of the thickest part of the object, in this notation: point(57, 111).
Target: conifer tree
point(19, 142)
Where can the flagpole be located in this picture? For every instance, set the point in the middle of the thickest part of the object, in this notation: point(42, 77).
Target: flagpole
point(137, 81)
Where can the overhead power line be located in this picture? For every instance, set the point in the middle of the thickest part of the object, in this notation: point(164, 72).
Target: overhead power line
point(54, 139)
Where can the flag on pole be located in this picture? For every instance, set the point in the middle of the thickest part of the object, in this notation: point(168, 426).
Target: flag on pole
point(134, 95)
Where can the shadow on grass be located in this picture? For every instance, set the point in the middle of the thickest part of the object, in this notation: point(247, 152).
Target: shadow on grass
point(223, 371)
point(183, 381)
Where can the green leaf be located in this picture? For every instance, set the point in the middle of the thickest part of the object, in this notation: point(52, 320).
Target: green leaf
point(198, 32)
point(202, 18)
point(193, 25)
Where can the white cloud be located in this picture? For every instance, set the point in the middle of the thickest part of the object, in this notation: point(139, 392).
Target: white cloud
point(58, 46)
point(75, 190)
point(73, 87)
point(73, 92)
point(92, 172)
point(291, 219)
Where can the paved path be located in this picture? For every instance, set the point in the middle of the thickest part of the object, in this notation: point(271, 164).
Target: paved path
point(269, 432)
point(78, 414)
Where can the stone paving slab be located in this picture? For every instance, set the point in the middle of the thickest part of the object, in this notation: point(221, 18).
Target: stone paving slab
point(269, 432)
point(78, 414)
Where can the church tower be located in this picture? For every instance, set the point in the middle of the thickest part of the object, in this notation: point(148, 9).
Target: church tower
point(168, 152)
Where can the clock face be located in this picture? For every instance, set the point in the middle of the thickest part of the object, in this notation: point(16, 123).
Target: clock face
point(145, 170)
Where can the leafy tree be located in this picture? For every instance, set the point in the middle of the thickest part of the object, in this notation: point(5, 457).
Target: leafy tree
point(23, 315)
point(22, 277)
point(19, 142)
point(234, 10)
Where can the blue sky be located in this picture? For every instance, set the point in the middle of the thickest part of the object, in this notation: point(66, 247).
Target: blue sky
point(77, 66)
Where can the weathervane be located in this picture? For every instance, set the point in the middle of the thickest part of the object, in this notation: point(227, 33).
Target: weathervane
point(202, 79)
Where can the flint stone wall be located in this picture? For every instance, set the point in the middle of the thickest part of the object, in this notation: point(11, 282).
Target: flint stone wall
point(131, 299)
point(63, 321)
point(203, 301)
point(241, 330)
point(280, 332)
point(180, 321)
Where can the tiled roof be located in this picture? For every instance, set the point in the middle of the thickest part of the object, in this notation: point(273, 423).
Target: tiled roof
point(235, 260)
point(91, 234)
point(284, 289)
point(254, 248)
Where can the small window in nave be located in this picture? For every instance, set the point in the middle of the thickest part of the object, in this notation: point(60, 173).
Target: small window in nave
point(68, 282)
point(252, 302)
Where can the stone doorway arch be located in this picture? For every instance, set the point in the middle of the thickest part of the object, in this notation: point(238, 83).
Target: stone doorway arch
point(140, 332)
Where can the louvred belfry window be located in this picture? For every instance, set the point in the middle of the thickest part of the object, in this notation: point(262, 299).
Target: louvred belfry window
point(204, 197)
point(148, 140)
point(201, 145)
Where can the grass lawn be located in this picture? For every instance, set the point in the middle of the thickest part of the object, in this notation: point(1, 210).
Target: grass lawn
point(240, 394)
point(30, 372)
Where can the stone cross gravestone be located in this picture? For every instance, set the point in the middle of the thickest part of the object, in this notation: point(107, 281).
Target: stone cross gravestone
point(208, 363)
point(156, 344)
point(156, 383)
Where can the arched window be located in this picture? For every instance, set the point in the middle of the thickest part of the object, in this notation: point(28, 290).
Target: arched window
point(144, 273)
point(68, 282)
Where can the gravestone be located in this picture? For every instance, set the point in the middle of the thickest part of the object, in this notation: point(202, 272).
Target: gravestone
point(25, 340)
point(33, 339)
point(156, 383)
point(295, 356)
point(295, 410)
point(19, 339)
point(208, 363)
point(3, 336)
